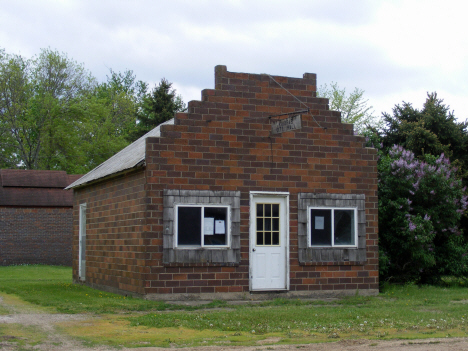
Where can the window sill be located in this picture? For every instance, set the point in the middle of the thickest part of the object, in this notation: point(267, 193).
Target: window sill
point(333, 247)
point(202, 248)
point(342, 263)
point(201, 264)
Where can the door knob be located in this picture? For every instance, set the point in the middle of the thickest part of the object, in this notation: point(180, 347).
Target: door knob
point(253, 249)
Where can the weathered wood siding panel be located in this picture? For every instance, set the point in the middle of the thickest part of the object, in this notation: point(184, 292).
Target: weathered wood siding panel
point(331, 254)
point(224, 256)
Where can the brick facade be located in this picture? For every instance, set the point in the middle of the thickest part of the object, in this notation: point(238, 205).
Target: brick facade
point(224, 143)
point(116, 250)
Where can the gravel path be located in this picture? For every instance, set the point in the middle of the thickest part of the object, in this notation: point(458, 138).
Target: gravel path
point(46, 323)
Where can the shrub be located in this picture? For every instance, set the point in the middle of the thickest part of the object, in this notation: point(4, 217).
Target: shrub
point(421, 202)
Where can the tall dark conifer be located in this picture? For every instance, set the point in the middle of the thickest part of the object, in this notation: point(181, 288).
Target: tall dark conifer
point(158, 106)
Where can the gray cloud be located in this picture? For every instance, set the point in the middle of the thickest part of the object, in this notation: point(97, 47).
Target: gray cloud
point(367, 44)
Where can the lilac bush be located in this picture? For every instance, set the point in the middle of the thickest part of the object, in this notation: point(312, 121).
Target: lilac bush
point(421, 202)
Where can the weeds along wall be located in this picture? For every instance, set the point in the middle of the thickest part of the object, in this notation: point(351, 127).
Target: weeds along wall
point(219, 152)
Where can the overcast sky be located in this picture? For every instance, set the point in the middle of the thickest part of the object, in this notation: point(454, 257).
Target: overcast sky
point(394, 50)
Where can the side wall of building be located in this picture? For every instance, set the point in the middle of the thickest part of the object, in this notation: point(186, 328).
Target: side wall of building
point(36, 235)
point(224, 143)
point(115, 246)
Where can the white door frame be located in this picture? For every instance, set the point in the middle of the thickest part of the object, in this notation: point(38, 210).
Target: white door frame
point(82, 243)
point(252, 234)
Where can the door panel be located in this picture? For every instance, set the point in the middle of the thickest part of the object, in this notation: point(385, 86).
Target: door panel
point(269, 222)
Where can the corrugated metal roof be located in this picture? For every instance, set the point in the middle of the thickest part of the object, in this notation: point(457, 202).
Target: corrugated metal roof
point(125, 159)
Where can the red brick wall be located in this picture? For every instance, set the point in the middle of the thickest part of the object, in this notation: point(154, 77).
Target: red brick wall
point(223, 143)
point(41, 235)
point(115, 244)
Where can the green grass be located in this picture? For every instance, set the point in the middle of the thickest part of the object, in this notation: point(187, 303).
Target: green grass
point(51, 286)
point(407, 308)
point(405, 311)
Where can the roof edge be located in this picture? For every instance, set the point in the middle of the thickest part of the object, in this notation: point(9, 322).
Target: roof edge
point(139, 166)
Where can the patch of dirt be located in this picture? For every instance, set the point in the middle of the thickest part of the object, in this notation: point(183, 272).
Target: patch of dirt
point(56, 341)
point(45, 322)
point(455, 344)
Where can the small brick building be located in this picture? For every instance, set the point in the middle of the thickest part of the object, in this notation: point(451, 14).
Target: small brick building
point(257, 189)
point(36, 222)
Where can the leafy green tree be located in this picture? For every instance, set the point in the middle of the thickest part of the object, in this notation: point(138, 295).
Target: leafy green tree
point(14, 93)
point(353, 107)
point(35, 96)
point(123, 95)
point(421, 202)
point(158, 106)
point(54, 115)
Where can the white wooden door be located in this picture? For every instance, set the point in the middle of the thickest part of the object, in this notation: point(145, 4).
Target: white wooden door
point(82, 243)
point(269, 236)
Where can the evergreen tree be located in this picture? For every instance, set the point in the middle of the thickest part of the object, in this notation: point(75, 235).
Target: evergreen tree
point(158, 106)
point(432, 130)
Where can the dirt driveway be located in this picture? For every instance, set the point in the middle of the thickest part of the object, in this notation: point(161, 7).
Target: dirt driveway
point(49, 339)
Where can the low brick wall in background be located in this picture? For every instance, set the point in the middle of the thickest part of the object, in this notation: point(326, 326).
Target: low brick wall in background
point(36, 235)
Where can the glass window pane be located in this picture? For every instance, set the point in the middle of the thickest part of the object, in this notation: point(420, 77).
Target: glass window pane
point(267, 210)
point(216, 226)
point(216, 239)
point(275, 223)
point(268, 238)
point(259, 223)
point(275, 238)
point(216, 212)
point(259, 210)
point(344, 227)
point(320, 227)
point(189, 226)
point(275, 210)
point(259, 238)
point(267, 223)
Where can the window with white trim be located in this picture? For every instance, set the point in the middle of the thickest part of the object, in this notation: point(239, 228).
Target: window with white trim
point(202, 225)
point(332, 227)
point(189, 218)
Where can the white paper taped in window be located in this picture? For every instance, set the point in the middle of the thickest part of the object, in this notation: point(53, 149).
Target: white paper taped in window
point(319, 223)
point(220, 227)
point(209, 226)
